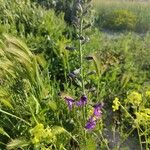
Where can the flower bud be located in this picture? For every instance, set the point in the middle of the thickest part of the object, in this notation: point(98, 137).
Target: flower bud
point(77, 71)
point(87, 26)
point(79, 8)
point(93, 89)
point(72, 75)
point(70, 48)
point(89, 57)
point(81, 38)
point(85, 40)
point(92, 72)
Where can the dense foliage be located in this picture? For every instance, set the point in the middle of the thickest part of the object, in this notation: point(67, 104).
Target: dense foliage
point(138, 10)
point(120, 20)
point(70, 86)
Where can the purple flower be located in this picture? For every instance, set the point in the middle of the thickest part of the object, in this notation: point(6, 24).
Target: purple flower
point(70, 102)
point(97, 110)
point(82, 101)
point(90, 124)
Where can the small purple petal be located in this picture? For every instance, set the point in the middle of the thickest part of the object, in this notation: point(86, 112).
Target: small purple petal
point(95, 116)
point(97, 110)
point(82, 101)
point(90, 124)
point(70, 102)
point(72, 75)
point(100, 105)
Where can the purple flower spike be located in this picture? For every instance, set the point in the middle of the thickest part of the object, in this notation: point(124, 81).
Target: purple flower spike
point(90, 124)
point(95, 116)
point(70, 102)
point(97, 110)
point(82, 101)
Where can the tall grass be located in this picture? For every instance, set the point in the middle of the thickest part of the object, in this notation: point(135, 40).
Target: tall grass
point(37, 111)
point(140, 9)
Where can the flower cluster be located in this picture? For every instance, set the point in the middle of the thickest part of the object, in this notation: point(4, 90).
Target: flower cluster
point(71, 102)
point(96, 112)
point(147, 94)
point(134, 98)
point(116, 104)
point(96, 115)
point(143, 116)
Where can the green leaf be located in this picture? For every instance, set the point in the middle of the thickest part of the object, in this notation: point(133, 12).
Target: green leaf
point(91, 144)
point(2, 131)
point(6, 103)
point(37, 105)
point(17, 143)
point(56, 130)
point(52, 105)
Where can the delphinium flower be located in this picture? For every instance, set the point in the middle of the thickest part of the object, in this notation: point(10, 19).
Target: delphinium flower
point(82, 101)
point(91, 123)
point(97, 110)
point(96, 115)
point(70, 101)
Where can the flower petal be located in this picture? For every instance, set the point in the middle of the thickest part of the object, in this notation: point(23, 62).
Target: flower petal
point(70, 102)
point(82, 101)
point(90, 124)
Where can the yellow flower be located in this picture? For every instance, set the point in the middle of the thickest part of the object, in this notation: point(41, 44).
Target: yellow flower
point(147, 94)
point(116, 104)
point(143, 117)
point(134, 98)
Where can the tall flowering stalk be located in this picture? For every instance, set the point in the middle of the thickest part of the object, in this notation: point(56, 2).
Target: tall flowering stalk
point(79, 20)
point(78, 23)
point(80, 14)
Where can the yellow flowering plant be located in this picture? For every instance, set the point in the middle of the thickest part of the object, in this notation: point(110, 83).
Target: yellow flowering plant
point(116, 104)
point(147, 94)
point(138, 117)
point(134, 98)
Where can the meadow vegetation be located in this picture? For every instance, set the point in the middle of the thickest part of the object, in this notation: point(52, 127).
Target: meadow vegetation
point(133, 13)
point(65, 84)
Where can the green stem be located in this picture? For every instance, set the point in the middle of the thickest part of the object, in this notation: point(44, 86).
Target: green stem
point(140, 139)
point(146, 139)
point(82, 72)
point(103, 139)
point(33, 115)
point(127, 135)
point(127, 112)
point(81, 56)
point(137, 126)
point(7, 113)
point(98, 89)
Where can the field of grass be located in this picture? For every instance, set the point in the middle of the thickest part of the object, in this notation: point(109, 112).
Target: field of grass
point(70, 86)
point(139, 8)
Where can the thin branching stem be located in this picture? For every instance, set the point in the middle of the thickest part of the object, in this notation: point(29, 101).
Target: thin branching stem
point(139, 139)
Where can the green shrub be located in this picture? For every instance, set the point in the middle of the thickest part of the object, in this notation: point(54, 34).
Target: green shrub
point(120, 20)
point(140, 9)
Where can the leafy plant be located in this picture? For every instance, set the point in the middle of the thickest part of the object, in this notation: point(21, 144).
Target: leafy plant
point(25, 104)
point(138, 9)
point(120, 20)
